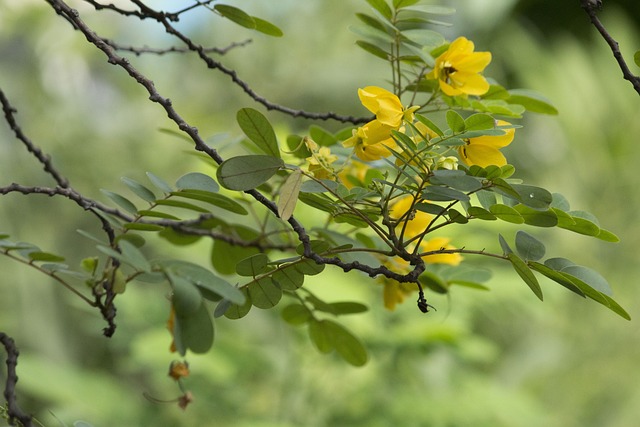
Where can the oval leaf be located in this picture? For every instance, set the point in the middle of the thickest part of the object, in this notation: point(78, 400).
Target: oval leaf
point(289, 194)
point(194, 332)
point(528, 247)
point(186, 298)
point(247, 172)
point(264, 293)
point(258, 130)
point(197, 181)
point(253, 265)
point(236, 15)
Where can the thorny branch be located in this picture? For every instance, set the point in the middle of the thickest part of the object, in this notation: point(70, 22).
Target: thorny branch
point(592, 7)
point(14, 411)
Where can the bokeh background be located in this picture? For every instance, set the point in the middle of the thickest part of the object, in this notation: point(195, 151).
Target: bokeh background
point(498, 358)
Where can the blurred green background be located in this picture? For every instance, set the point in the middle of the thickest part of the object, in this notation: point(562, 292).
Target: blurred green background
point(498, 358)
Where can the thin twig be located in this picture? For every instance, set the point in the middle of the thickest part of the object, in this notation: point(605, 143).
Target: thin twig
point(173, 49)
point(591, 7)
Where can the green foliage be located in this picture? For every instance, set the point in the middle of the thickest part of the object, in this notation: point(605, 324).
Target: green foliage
point(263, 243)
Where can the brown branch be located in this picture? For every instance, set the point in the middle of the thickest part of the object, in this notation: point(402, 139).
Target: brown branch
point(13, 410)
point(591, 7)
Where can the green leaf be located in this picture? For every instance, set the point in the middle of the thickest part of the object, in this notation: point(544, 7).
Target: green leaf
point(197, 181)
point(288, 278)
point(194, 332)
point(424, 37)
point(381, 6)
point(236, 15)
point(346, 344)
point(480, 213)
point(289, 195)
point(501, 186)
point(183, 205)
point(636, 58)
point(616, 308)
point(399, 4)
point(537, 218)
point(132, 256)
point(455, 121)
point(506, 213)
point(121, 201)
point(375, 24)
point(142, 227)
point(422, 119)
point(253, 265)
point(296, 314)
point(437, 193)
point(528, 247)
point(247, 172)
point(238, 311)
point(526, 274)
point(534, 197)
point(320, 336)
point(430, 208)
point(178, 239)
point(479, 121)
point(259, 130)
point(159, 183)
point(590, 277)
point(434, 282)
point(457, 217)
point(45, 256)
point(532, 101)
point(266, 27)
point(264, 293)
point(140, 190)
point(556, 276)
point(309, 267)
point(347, 307)
point(186, 298)
point(607, 236)
point(455, 179)
point(215, 199)
point(373, 49)
point(156, 214)
point(506, 249)
point(206, 281)
point(321, 136)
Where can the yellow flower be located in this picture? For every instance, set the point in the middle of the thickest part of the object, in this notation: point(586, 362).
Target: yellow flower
point(485, 150)
point(320, 162)
point(385, 105)
point(354, 172)
point(394, 293)
point(438, 243)
point(371, 141)
point(416, 221)
point(457, 69)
